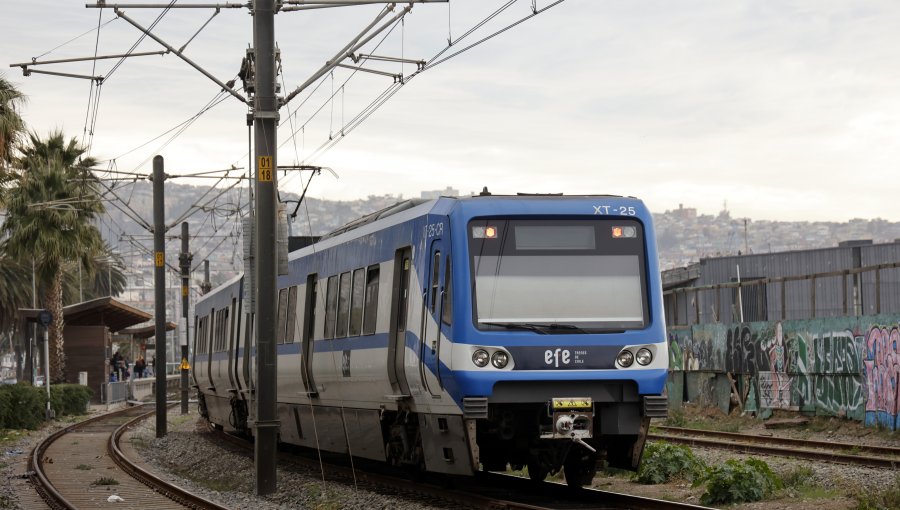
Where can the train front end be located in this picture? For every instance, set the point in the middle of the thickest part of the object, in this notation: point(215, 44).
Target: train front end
point(560, 354)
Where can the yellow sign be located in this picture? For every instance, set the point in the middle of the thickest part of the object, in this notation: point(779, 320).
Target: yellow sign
point(184, 290)
point(160, 259)
point(184, 364)
point(572, 403)
point(265, 168)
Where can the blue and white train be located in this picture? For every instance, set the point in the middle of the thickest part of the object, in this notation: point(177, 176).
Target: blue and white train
point(459, 334)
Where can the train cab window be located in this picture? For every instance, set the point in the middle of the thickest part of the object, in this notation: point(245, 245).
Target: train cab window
point(371, 305)
point(447, 305)
point(290, 334)
point(356, 302)
point(330, 307)
point(435, 279)
point(559, 275)
point(282, 313)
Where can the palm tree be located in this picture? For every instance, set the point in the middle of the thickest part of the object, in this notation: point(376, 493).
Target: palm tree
point(15, 291)
point(50, 209)
point(104, 277)
point(11, 124)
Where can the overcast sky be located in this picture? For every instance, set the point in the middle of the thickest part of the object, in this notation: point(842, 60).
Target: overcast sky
point(786, 110)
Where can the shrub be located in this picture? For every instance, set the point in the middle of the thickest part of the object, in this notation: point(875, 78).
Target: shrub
point(883, 500)
point(738, 482)
point(663, 461)
point(676, 418)
point(21, 406)
point(798, 477)
point(68, 399)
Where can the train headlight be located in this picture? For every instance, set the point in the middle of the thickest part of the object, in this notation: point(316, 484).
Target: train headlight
point(500, 359)
point(644, 357)
point(625, 359)
point(480, 358)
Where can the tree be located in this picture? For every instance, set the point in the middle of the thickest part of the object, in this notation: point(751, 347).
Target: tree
point(50, 208)
point(11, 124)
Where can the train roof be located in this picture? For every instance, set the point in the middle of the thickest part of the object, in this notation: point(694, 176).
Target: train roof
point(413, 202)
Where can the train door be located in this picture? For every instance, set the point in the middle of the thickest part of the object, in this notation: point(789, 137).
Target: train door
point(430, 327)
point(230, 344)
point(209, 335)
point(235, 347)
point(399, 312)
point(307, 347)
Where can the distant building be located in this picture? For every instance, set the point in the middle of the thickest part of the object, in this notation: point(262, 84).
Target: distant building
point(447, 192)
point(683, 213)
point(852, 279)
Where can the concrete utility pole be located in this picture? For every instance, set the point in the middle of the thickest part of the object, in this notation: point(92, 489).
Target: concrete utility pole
point(265, 123)
point(185, 261)
point(159, 284)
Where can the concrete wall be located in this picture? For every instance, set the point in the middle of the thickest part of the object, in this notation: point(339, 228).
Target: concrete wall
point(837, 366)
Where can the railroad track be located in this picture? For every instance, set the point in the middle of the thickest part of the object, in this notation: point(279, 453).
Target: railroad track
point(83, 466)
point(844, 453)
point(487, 491)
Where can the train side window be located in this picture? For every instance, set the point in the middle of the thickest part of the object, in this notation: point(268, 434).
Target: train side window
point(371, 305)
point(291, 315)
point(201, 330)
point(356, 302)
point(208, 331)
point(217, 337)
point(282, 312)
point(330, 307)
point(343, 314)
point(223, 342)
point(217, 319)
point(435, 278)
point(447, 314)
point(220, 330)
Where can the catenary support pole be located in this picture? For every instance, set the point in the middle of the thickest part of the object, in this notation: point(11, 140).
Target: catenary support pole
point(265, 122)
point(159, 283)
point(206, 286)
point(185, 260)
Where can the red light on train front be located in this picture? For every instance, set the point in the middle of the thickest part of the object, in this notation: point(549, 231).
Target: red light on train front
point(623, 232)
point(488, 232)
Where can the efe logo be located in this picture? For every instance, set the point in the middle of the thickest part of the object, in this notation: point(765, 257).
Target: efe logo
point(555, 357)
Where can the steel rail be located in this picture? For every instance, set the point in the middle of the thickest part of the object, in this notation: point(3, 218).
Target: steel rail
point(515, 490)
point(779, 450)
point(41, 481)
point(152, 481)
point(787, 441)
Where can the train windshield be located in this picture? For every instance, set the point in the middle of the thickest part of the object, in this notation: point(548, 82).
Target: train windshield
point(558, 276)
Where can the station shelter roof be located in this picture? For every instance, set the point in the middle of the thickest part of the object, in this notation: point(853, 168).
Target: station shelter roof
point(145, 332)
point(104, 311)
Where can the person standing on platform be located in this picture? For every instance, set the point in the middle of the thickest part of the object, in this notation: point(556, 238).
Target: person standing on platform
point(114, 366)
point(139, 367)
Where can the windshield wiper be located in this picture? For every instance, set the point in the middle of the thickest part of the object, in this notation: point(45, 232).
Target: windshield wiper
point(569, 328)
point(543, 329)
point(517, 325)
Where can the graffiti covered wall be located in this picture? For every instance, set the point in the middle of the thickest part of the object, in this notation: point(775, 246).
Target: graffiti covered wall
point(844, 366)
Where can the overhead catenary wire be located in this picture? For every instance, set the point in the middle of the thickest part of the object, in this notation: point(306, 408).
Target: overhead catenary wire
point(372, 107)
point(93, 84)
